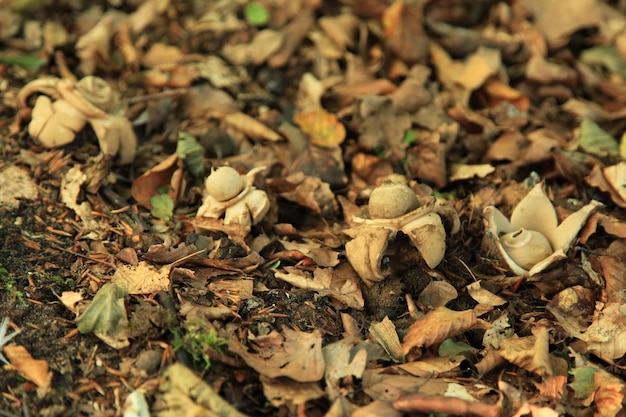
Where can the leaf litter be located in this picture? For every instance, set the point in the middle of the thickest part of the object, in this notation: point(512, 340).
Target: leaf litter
point(142, 289)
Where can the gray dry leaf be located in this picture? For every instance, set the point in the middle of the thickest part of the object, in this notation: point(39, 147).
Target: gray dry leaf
point(15, 184)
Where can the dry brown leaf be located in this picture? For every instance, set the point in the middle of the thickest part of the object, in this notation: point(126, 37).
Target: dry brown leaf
point(293, 354)
point(342, 360)
point(336, 283)
point(322, 127)
point(403, 29)
point(385, 334)
point(35, 370)
point(445, 405)
point(437, 326)
point(70, 298)
point(308, 191)
point(293, 33)
point(281, 391)
point(540, 70)
point(530, 353)
point(162, 55)
point(609, 395)
point(437, 294)
point(143, 278)
point(606, 336)
point(469, 74)
point(250, 127)
point(556, 22)
point(496, 91)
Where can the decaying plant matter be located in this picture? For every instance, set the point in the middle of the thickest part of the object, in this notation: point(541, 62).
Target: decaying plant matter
point(396, 208)
point(233, 196)
point(66, 107)
point(532, 239)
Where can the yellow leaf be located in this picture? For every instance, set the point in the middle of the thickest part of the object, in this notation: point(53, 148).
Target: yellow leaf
point(322, 127)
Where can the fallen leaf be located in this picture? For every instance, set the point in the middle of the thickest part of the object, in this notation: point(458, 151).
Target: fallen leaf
point(162, 175)
point(437, 326)
point(35, 370)
point(106, 314)
point(322, 127)
point(292, 354)
point(142, 278)
point(530, 353)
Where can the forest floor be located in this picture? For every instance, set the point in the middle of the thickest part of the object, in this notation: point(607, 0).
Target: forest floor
point(413, 208)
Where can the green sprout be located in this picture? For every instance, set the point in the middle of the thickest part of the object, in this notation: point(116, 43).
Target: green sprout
point(197, 340)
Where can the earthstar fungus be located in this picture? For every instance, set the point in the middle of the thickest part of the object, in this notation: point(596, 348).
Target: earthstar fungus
point(425, 220)
point(532, 239)
point(233, 196)
point(67, 106)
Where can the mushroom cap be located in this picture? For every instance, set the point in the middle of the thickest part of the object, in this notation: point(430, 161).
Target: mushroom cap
point(391, 200)
point(224, 183)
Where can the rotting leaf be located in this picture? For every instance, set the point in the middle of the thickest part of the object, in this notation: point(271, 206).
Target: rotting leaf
point(106, 314)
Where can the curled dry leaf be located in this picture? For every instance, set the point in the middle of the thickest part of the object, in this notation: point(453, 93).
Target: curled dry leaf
point(532, 240)
point(165, 174)
point(422, 221)
point(251, 127)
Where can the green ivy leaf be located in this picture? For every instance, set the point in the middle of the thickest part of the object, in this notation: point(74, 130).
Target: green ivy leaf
point(594, 140)
point(450, 348)
point(162, 207)
point(583, 384)
point(256, 14)
point(106, 314)
point(189, 150)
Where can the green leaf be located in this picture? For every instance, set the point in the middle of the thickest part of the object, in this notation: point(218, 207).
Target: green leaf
point(409, 137)
point(605, 56)
point(29, 62)
point(162, 206)
point(189, 150)
point(106, 313)
point(583, 384)
point(450, 348)
point(594, 140)
point(19, 6)
point(256, 14)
